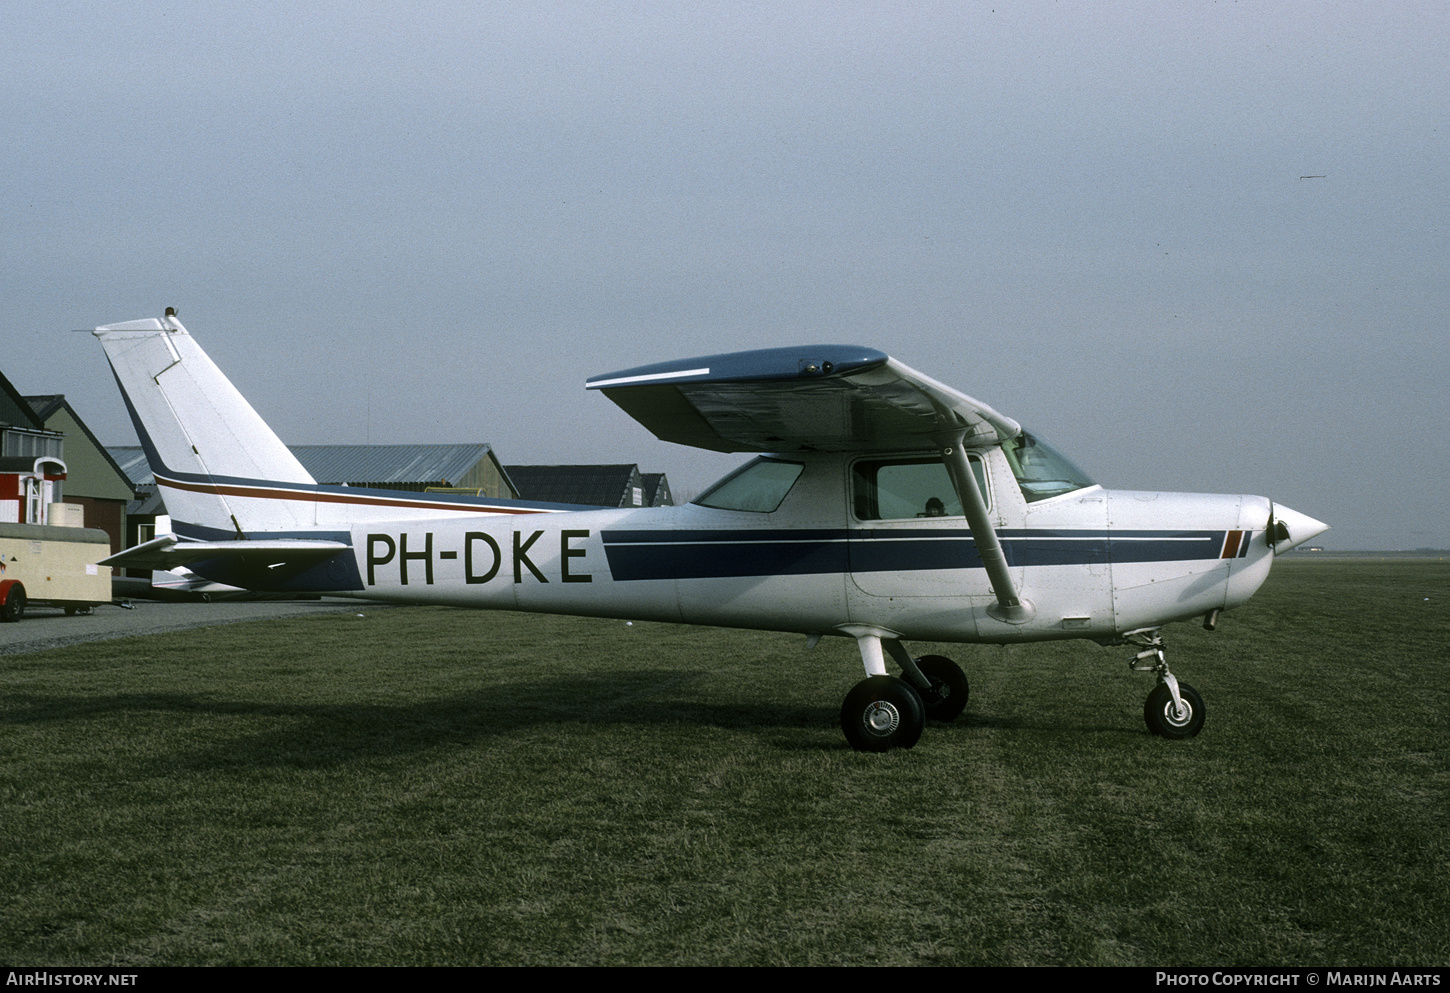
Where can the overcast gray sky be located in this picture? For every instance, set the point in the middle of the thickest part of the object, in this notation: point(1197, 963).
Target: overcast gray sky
point(431, 222)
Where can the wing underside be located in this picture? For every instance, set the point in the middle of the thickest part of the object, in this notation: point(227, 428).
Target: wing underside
point(813, 398)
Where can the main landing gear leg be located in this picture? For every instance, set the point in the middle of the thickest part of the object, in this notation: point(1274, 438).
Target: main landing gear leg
point(1173, 709)
point(939, 680)
point(881, 712)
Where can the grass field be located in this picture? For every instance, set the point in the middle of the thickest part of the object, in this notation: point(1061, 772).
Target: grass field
point(438, 786)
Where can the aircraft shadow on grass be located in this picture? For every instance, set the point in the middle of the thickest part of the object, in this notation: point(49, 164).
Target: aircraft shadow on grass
point(319, 735)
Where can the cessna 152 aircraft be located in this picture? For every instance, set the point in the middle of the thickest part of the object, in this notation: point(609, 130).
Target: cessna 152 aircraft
point(883, 506)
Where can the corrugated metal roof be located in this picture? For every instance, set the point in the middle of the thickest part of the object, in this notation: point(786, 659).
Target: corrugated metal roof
point(360, 465)
point(132, 460)
point(390, 465)
point(13, 408)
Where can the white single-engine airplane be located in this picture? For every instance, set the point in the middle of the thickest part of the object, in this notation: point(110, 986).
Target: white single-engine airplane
point(883, 507)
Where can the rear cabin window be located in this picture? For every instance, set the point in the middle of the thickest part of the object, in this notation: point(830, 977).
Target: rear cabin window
point(901, 489)
point(759, 487)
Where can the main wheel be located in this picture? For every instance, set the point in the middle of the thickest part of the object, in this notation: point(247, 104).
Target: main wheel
point(882, 713)
point(1166, 720)
point(947, 697)
point(14, 606)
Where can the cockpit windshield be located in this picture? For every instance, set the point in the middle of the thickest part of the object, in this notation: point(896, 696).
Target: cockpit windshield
point(1041, 472)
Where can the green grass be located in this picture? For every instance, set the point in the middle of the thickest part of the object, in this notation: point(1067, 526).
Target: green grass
point(439, 786)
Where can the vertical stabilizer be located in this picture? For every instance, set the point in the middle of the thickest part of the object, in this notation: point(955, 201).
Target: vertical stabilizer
point(211, 454)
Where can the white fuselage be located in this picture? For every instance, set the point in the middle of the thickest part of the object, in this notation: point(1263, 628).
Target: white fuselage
point(1093, 563)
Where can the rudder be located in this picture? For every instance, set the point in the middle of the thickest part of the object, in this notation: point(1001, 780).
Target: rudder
point(211, 453)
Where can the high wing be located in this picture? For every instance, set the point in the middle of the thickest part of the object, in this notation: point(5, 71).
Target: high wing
point(807, 398)
point(824, 398)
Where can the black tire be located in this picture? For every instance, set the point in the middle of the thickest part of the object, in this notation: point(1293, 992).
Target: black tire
point(949, 690)
point(1158, 711)
point(14, 607)
point(881, 713)
point(71, 611)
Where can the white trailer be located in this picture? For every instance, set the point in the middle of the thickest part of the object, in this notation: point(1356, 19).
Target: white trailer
point(53, 564)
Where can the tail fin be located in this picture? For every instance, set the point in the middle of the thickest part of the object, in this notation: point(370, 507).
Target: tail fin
point(211, 454)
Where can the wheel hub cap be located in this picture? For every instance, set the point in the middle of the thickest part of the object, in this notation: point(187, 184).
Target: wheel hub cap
point(882, 718)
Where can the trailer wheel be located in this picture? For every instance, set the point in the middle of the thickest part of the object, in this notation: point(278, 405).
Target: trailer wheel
point(13, 606)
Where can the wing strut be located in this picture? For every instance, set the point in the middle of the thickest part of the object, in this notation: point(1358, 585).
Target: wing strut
point(1010, 607)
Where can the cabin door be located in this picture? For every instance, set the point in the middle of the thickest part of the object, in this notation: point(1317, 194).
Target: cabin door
point(908, 534)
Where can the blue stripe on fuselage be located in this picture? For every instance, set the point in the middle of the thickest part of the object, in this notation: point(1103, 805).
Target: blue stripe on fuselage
point(638, 555)
point(719, 554)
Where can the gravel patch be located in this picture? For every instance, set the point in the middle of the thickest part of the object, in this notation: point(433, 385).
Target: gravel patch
point(46, 627)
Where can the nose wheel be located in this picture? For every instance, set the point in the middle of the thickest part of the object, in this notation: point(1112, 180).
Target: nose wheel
point(1173, 710)
point(1169, 719)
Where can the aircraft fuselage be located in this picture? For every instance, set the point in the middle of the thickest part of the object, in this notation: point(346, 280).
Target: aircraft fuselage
point(1093, 563)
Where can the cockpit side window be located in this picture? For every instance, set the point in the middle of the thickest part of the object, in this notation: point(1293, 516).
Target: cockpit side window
point(1041, 471)
point(901, 489)
point(758, 487)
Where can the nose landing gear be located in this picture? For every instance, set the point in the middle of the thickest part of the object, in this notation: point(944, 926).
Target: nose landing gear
point(1173, 709)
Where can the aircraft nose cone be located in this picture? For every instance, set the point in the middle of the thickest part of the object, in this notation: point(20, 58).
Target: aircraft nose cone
point(1301, 528)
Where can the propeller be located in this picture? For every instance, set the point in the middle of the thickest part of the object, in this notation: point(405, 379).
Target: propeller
point(1275, 530)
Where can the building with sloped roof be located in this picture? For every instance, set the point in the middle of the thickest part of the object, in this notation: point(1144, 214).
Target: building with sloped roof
point(22, 432)
point(93, 479)
point(28, 480)
point(589, 485)
point(419, 468)
point(132, 461)
point(656, 490)
point(412, 468)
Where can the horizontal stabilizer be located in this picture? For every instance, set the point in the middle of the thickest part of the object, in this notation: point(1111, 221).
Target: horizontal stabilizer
point(277, 565)
point(168, 552)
